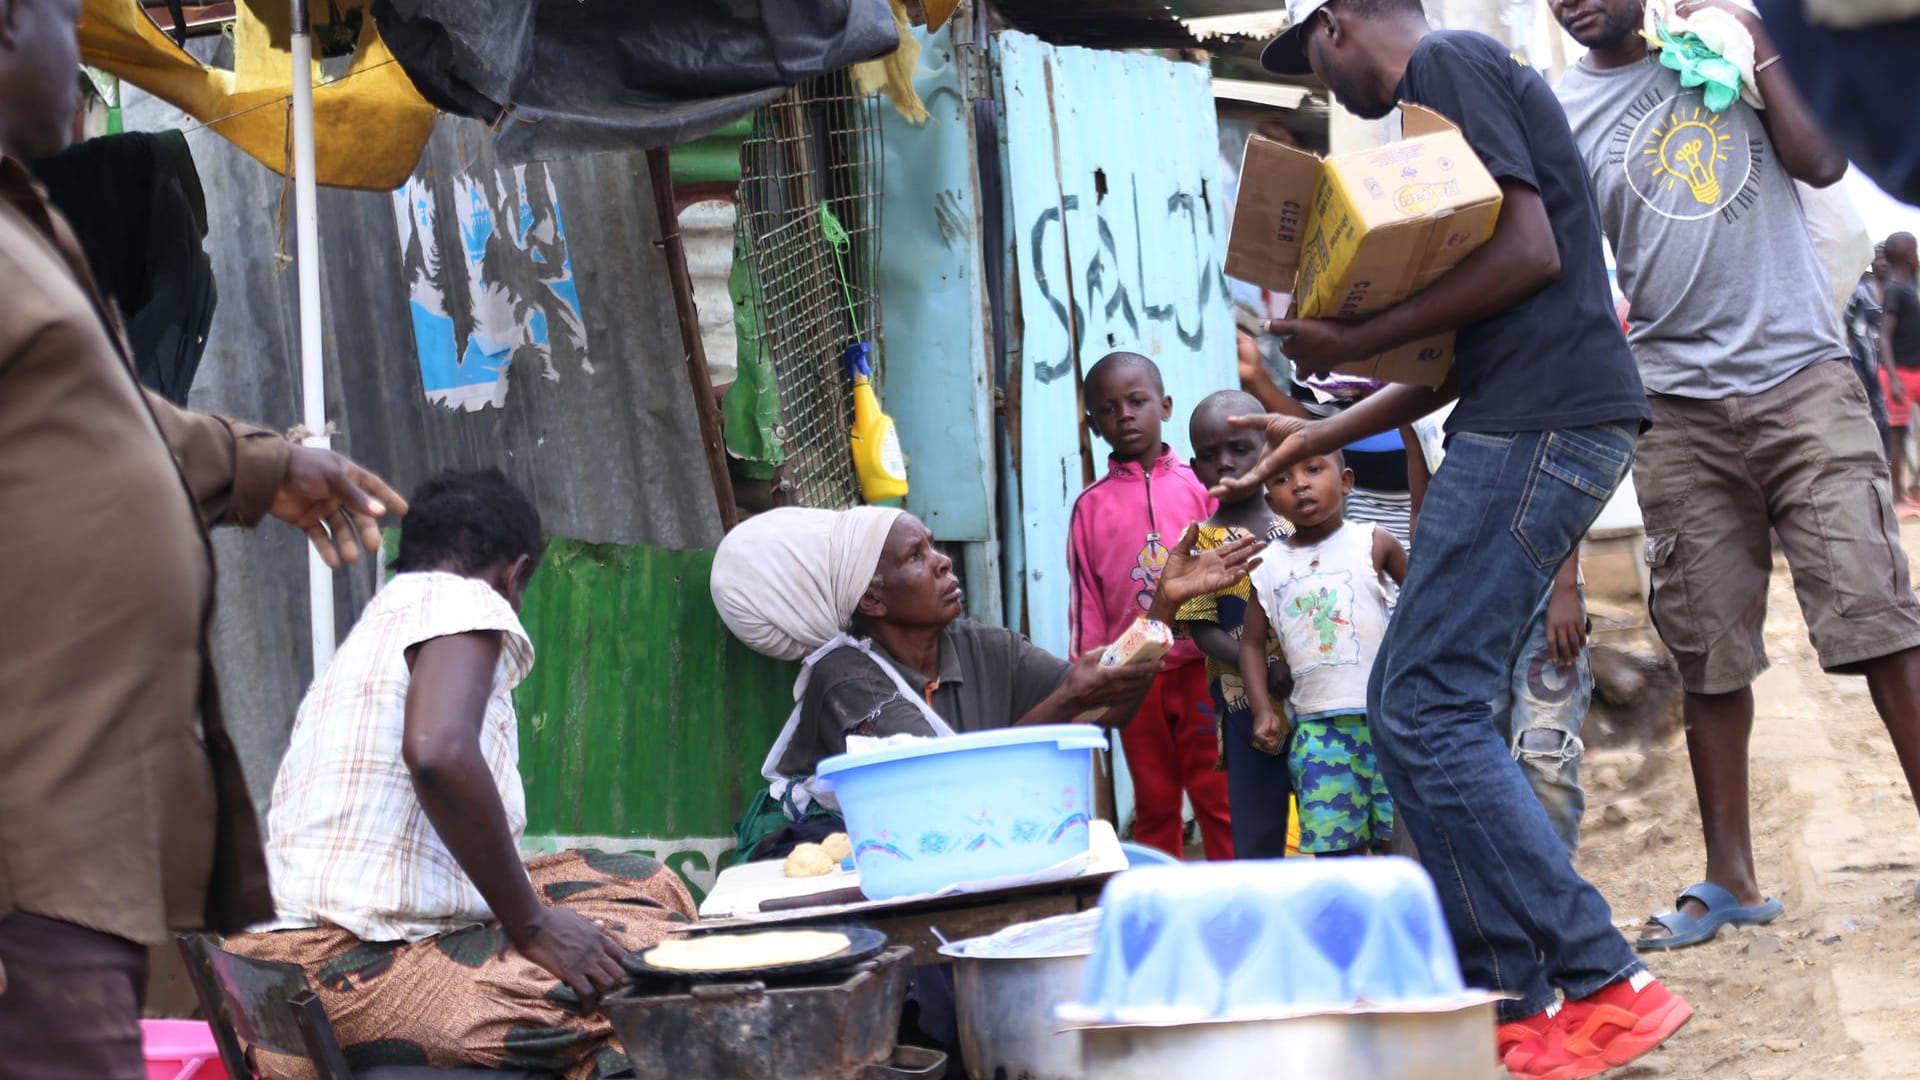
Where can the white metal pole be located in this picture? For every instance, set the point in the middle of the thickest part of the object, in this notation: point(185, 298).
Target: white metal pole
point(313, 380)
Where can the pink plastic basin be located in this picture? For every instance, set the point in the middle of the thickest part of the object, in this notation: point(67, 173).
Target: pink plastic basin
point(180, 1050)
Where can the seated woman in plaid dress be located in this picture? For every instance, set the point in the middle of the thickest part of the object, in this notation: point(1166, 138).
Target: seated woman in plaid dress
point(394, 836)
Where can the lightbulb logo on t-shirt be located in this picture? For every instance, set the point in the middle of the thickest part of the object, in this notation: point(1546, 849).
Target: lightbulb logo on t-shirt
point(1685, 161)
point(1689, 151)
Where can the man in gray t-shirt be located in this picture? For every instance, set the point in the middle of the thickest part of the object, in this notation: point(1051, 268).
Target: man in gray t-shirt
point(1712, 245)
point(1759, 422)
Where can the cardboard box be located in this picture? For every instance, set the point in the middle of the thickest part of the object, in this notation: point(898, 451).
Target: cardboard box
point(1357, 233)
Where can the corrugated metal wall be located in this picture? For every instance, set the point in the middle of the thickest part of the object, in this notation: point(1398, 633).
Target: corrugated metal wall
point(609, 452)
point(938, 386)
point(652, 717)
point(938, 380)
point(706, 228)
point(1119, 235)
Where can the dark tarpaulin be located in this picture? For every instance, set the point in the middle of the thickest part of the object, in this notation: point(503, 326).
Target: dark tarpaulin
point(136, 206)
point(565, 77)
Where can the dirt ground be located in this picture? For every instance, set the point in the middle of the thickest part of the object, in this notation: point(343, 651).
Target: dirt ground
point(1832, 988)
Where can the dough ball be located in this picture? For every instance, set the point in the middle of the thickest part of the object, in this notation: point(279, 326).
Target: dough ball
point(837, 846)
point(810, 860)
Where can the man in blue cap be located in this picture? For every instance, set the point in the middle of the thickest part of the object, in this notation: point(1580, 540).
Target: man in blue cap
point(1549, 410)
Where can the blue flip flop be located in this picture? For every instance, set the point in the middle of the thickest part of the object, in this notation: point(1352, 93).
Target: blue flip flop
point(1722, 910)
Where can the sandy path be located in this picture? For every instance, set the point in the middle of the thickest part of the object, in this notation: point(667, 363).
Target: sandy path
point(1832, 988)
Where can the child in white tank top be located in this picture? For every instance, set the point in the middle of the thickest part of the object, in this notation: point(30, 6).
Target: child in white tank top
point(1323, 596)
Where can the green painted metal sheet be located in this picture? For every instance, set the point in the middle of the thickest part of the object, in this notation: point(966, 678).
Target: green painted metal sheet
point(713, 158)
point(643, 716)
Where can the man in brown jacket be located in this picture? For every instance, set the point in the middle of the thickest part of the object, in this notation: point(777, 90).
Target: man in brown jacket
point(123, 815)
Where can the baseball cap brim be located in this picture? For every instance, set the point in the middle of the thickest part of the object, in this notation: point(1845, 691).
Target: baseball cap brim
point(1285, 55)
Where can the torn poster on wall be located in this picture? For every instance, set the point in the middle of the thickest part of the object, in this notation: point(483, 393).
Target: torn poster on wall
point(490, 282)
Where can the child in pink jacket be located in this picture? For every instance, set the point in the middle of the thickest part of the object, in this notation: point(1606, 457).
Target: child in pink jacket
point(1116, 546)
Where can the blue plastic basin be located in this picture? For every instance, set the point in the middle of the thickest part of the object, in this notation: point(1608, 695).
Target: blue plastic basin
point(988, 804)
point(1256, 940)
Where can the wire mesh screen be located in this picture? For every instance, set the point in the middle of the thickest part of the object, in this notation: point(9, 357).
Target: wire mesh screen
point(818, 145)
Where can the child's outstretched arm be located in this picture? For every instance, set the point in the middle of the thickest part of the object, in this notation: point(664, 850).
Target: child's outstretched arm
point(1213, 640)
point(1268, 728)
point(1199, 621)
point(1566, 613)
point(1389, 557)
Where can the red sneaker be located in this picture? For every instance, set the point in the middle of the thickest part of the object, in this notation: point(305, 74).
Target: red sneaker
point(1604, 1030)
point(1513, 1033)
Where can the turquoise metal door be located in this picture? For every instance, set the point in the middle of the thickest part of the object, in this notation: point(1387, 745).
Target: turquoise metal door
point(1118, 227)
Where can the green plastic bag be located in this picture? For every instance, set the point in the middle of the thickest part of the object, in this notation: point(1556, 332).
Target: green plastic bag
point(1700, 66)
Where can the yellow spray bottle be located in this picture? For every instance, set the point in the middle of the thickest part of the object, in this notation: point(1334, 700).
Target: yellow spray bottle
point(877, 460)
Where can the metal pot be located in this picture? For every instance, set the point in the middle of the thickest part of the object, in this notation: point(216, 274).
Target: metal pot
point(1006, 1017)
point(1454, 1045)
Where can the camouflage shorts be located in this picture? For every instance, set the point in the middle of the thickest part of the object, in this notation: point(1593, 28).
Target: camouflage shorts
point(1344, 803)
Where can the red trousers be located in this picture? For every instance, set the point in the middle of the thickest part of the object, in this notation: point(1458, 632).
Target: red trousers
point(1171, 746)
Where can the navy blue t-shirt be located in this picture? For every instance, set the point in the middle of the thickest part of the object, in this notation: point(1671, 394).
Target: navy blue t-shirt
point(1858, 83)
point(1558, 359)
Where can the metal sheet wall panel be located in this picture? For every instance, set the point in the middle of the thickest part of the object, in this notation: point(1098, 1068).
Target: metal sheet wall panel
point(706, 228)
point(642, 715)
point(937, 384)
point(1119, 234)
point(609, 448)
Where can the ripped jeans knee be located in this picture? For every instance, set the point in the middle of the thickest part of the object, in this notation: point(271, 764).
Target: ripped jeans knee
point(1549, 757)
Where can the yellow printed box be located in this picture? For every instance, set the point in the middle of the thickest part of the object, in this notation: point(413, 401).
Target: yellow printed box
point(1354, 234)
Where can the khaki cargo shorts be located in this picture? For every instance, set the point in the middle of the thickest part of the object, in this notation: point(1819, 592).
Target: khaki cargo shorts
point(1803, 459)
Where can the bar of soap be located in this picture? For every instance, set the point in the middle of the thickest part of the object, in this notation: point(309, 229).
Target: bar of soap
point(1144, 642)
point(809, 860)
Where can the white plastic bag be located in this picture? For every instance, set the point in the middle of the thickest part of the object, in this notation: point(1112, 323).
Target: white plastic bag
point(1840, 238)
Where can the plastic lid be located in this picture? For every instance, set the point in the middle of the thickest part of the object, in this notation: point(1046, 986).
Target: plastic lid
point(1266, 939)
point(1042, 939)
point(1065, 736)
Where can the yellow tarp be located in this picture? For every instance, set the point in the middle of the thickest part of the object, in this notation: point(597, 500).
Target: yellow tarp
point(893, 73)
point(370, 124)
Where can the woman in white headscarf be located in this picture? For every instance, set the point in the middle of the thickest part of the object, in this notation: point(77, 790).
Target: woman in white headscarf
point(875, 612)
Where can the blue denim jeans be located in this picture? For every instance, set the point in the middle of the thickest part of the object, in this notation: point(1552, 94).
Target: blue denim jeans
point(1502, 513)
point(1541, 707)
